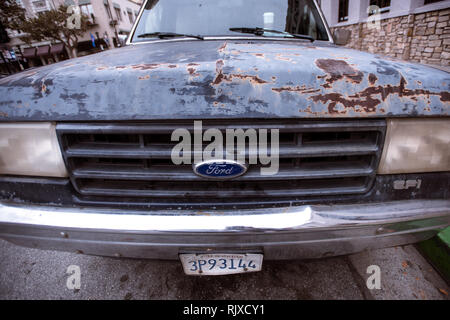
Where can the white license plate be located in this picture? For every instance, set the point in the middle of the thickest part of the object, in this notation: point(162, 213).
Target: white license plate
point(216, 264)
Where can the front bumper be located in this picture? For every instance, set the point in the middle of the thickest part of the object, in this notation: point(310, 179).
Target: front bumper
point(283, 233)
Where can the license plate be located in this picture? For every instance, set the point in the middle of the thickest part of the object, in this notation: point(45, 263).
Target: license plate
point(216, 264)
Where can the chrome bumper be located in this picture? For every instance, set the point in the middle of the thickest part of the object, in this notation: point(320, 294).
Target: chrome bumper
point(281, 233)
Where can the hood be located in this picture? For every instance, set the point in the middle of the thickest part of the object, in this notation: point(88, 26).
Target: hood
point(225, 79)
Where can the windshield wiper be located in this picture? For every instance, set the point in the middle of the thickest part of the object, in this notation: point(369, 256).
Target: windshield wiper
point(164, 35)
point(262, 31)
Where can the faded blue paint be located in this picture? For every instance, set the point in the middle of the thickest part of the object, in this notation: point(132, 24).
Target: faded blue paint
point(225, 79)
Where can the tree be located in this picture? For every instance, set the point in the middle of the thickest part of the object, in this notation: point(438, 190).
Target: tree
point(11, 14)
point(62, 24)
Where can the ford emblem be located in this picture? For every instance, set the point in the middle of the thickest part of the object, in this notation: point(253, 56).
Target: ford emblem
point(220, 169)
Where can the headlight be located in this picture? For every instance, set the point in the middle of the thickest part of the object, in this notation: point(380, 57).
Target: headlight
point(416, 146)
point(30, 149)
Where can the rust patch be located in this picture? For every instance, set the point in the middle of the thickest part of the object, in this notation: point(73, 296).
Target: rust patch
point(3, 114)
point(297, 89)
point(309, 110)
point(44, 88)
point(172, 66)
point(146, 77)
point(368, 99)
point(101, 68)
point(223, 47)
point(150, 66)
point(220, 77)
point(219, 72)
point(193, 64)
point(372, 79)
point(258, 55)
point(338, 70)
point(282, 58)
point(252, 79)
point(192, 72)
point(445, 96)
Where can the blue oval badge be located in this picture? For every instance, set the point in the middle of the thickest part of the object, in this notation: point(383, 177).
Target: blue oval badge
point(220, 170)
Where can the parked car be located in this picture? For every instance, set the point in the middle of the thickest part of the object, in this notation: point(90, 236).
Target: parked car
point(86, 145)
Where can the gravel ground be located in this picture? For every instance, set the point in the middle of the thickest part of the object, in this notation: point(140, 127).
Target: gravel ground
point(35, 274)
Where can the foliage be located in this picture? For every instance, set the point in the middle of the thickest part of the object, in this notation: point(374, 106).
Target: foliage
point(55, 25)
point(11, 14)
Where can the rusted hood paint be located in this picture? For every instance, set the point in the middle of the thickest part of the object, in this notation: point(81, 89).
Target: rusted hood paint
point(225, 79)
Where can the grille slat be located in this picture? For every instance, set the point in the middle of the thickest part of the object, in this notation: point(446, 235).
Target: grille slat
point(133, 160)
point(185, 173)
point(105, 150)
point(235, 190)
point(159, 128)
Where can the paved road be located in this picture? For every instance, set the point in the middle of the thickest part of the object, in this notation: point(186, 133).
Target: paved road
point(35, 274)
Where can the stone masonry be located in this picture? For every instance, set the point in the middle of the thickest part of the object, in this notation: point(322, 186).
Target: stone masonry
point(423, 38)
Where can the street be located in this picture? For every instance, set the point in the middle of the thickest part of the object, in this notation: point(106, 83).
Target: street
point(35, 274)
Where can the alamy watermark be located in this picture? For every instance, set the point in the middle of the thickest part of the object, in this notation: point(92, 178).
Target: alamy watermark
point(244, 146)
point(74, 280)
point(374, 20)
point(374, 280)
point(74, 20)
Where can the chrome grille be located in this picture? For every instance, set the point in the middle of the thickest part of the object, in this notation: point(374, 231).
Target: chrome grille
point(132, 160)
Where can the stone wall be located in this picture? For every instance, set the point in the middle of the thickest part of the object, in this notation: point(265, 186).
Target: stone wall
point(423, 38)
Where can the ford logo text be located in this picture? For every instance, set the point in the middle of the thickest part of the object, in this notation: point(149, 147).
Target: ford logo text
point(220, 170)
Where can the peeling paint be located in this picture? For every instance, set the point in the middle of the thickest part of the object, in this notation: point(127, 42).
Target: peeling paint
point(223, 47)
point(372, 97)
point(337, 70)
point(373, 79)
point(297, 89)
point(225, 79)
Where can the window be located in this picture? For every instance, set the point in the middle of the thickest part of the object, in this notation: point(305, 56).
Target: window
point(215, 18)
point(87, 10)
point(40, 6)
point(130, 16)
point(384, 5)
point(118, 14)
point(343, 10)
point(108, 12)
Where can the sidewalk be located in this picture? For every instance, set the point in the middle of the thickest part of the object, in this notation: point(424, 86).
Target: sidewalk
point(34, 274)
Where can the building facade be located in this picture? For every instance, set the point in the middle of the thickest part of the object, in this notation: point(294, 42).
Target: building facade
point(414, 30)
point(110, 22)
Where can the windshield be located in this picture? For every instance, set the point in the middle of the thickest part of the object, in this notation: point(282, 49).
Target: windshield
point(216, 17)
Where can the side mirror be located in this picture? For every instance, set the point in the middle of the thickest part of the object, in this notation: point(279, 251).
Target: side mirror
point(342, 37)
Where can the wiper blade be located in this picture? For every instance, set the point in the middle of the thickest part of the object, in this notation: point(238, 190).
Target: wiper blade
point(262, 31)
point(164, 35)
